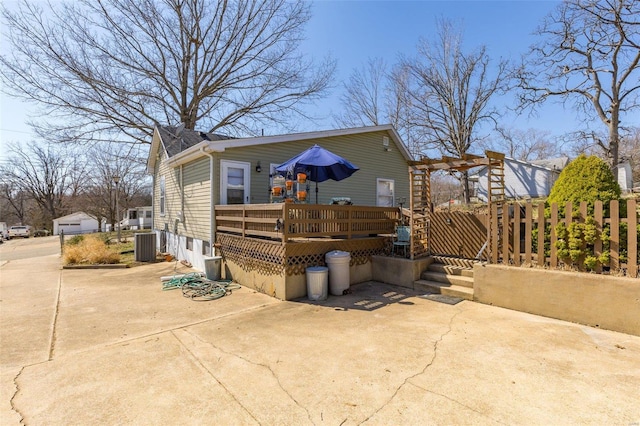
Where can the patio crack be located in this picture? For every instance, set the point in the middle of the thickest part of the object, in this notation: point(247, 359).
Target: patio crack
point(13, 397)
point(265, 366)
point(426, 367)
point(54, 323)
point(458, 402)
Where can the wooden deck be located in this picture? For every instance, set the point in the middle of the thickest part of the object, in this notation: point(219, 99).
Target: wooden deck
point(287, 221)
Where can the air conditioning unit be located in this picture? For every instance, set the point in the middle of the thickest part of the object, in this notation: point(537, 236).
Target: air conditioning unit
point(144, 247)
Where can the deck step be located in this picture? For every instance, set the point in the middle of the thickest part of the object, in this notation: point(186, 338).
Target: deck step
point(456, 261)
point(451, 269)
point(443, 288)
point(459, 280)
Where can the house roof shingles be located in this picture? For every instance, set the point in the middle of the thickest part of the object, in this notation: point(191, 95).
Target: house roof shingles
point(175, 143)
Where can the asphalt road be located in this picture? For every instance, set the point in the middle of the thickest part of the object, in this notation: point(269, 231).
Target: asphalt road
point(27, 248)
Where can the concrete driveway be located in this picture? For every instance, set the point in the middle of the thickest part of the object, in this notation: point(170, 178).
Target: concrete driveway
point(110, 347)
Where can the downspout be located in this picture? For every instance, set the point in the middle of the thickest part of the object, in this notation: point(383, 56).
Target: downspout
point(182, 190)
point(212, 215)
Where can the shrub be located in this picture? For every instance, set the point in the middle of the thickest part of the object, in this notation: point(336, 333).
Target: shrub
point(585, 179)
point(75, 240)
point(90, 250)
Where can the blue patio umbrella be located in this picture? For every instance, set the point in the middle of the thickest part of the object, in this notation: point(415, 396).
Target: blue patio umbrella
point(320, 164)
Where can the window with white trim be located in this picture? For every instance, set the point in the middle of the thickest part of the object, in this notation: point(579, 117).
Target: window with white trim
point(162, 196)
point(385, 192)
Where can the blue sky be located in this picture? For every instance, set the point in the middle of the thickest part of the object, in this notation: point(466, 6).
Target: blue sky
point(353, 31)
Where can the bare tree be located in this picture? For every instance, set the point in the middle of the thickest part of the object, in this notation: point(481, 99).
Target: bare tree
point(363, 97)
point(99, 194)
point(525, 145)
point(43, 174)
point(594, 143)
point(114, 68)
point(375, 96)
point(449, 93)
point(589, 55)
point(14, 201)
point(630, 150)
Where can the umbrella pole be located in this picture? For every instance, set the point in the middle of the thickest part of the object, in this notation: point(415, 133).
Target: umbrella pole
point(316, 192)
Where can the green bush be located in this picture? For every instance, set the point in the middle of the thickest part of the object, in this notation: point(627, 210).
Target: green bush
point(585, 179)
point(75, 240)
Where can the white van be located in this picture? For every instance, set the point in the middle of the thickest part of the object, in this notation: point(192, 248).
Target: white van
point(23, 231)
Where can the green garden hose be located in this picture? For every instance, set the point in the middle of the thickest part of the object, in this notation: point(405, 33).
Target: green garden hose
point(198, 288)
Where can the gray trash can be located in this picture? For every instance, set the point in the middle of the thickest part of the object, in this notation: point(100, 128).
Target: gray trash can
point(317, 282)
point(338, 263)
point(212, 267)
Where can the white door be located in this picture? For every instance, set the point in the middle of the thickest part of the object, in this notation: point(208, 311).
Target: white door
point(384, 192)
point(234, 182)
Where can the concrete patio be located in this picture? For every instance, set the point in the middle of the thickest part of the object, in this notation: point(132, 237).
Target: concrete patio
point(110, 347)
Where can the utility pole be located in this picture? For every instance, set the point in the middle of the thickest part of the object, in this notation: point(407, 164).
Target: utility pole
point(116, 180)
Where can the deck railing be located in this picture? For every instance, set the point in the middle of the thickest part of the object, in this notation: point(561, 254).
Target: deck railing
point(286, 221)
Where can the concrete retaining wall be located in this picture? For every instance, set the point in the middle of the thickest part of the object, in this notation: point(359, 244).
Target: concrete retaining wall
point(612, 303)
point(398, 271)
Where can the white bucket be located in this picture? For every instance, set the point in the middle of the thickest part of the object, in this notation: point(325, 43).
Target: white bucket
point(338, 263)
point(317, 282)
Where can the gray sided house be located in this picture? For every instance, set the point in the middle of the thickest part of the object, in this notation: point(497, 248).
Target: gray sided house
point(195, 171)
point(522, 179)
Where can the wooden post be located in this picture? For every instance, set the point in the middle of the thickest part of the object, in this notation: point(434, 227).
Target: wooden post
point(528, 230)
point(597, 246)
point(553, 262)
point(516, 234)
point(632, 235)
point(494, 233)
point(505, 234)
point(615, 235)
point(542, 257)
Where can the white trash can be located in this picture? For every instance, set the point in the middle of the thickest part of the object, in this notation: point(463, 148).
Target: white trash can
point(338, 263)
point(317, 282)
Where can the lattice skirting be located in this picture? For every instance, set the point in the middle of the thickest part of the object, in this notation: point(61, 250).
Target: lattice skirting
point(276, 258)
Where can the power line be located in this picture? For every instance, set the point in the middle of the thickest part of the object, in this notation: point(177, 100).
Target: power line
point(15, 131)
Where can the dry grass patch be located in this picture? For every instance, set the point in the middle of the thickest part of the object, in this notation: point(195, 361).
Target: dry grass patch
point(89, 250)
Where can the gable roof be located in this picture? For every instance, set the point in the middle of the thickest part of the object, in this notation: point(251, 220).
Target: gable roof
point(539, 164)
point(191, 144)
point(76, 216)
point(553, 163)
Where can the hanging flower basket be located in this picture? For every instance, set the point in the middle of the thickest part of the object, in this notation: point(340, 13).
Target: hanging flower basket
point(302, 177)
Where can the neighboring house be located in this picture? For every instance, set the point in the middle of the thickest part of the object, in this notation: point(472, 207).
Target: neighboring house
point(522, 179)
point(625, 176)
point(134, 218)
point(194, 171)
point(137, 218)
point(534, 179)
point(75, 223)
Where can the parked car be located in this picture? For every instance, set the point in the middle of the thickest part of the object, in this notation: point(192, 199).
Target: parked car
point(41, 233)
point(23, 231)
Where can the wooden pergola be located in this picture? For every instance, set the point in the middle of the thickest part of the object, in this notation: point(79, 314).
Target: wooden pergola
point(420, 193)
